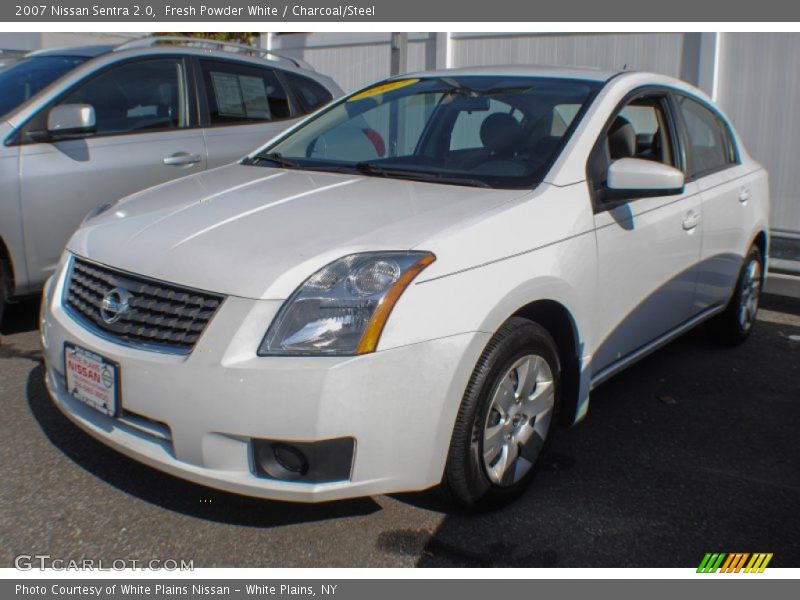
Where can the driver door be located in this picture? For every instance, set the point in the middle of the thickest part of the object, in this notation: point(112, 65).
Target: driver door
point(648, 248)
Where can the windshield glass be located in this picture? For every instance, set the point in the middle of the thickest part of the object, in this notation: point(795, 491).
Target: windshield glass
point(489, 131)
point(27, 77)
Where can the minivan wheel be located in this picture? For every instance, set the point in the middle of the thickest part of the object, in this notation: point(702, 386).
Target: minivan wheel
point(505, 418)
point(3, 286)
point(734, 324)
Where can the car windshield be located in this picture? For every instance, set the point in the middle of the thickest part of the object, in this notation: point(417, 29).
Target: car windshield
point(27, 77)
point(487, 131)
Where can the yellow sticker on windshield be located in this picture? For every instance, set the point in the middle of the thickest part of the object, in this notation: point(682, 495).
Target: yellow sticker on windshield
point(382, 89)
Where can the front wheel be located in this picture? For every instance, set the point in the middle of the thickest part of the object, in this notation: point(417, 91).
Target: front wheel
point(735, 323)
point(505, 418)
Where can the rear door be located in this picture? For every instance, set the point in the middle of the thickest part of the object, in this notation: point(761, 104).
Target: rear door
point(712, 161)
point(146, 134)
point(647, 248)
point(245, 106)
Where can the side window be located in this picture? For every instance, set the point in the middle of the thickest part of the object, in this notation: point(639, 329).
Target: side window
point(312, 95)
point(240, 93)
point(640, 130)
point(136, 97)
point(710, 146)
point(466, 132)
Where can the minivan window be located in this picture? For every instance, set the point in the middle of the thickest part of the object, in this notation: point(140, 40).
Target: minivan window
point(490, 131)
point(136, 97)
point(25, 78)
point(710, 145)
point(239, 93)
point(312, 95)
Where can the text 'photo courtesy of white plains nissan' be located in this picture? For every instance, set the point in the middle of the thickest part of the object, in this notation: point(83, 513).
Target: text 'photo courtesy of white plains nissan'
point(415, 286)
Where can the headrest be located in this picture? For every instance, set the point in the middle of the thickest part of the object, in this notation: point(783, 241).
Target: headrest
point(621, 139)
point(500, 132)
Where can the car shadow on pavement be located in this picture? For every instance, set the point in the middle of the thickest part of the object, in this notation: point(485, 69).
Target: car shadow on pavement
point(21, 316)
point(167, 491)
point(692, 450)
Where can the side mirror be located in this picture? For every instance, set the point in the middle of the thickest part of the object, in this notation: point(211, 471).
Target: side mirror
point(71, 119)
point(629, 178)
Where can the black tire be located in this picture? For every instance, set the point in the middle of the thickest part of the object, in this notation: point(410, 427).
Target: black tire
point(731, 327)
point(3, 289)
point(466, 481)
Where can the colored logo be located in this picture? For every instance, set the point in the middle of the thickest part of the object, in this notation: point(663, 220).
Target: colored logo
point(736, 562)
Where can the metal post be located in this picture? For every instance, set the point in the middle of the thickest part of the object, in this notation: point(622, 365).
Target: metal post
point(399, 61)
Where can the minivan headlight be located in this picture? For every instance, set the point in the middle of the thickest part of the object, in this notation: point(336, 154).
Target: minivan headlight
point(341, 309)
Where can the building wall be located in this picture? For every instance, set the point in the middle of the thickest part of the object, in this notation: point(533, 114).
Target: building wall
point(758, 87)
point(24, 41)
point(659, 52)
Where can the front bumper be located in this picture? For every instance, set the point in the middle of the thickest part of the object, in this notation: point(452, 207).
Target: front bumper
point(195, 416)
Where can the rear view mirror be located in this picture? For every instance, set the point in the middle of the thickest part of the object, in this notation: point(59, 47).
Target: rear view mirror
point(471, 103)
point(71, 119)
point(629, 178)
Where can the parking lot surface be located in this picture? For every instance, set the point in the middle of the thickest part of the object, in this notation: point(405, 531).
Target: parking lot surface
point(693, 450)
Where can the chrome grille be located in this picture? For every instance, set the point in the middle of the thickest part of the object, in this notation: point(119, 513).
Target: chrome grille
point(160, 316)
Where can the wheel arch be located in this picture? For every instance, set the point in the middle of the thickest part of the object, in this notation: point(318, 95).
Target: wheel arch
point(7, 264)
point(761, 241)
point(560, 323)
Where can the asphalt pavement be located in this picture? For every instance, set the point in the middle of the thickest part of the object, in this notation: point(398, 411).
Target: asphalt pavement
point(695, 449)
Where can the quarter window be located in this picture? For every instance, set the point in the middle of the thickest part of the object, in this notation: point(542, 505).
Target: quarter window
point(311, 94)
point(710, 146)
point(136, 97)
point(239, 93)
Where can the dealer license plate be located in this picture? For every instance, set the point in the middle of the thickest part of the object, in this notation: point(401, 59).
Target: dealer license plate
point(92, 379)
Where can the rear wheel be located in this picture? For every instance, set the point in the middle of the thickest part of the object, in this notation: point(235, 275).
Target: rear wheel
point(505, 418)
point(734, 324)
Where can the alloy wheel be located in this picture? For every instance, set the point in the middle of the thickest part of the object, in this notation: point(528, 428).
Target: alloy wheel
point(518, 420)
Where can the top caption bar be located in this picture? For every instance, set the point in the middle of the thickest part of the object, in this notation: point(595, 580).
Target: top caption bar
point(444, 11)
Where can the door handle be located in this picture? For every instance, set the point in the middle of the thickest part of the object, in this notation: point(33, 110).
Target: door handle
point(691, 220)
point(744, 195)
point(181, 158)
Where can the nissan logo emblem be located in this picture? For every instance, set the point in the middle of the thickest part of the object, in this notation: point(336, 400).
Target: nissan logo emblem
point(115, 304)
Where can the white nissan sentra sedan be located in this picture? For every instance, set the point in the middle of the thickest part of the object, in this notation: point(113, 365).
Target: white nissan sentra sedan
point(414, 286)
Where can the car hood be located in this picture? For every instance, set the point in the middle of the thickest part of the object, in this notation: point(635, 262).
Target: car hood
point(258, 232)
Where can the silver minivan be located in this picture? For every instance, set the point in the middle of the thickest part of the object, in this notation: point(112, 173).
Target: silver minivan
point(82, 127)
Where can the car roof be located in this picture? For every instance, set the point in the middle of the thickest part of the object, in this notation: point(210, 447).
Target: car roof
point(589, 73)
point(181, 45)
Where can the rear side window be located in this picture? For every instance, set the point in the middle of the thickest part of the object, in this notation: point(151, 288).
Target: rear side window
point(239, 93)
point(710, 144)
point(311, 94)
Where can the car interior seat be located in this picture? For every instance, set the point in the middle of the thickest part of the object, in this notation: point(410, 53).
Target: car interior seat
point(621, 139)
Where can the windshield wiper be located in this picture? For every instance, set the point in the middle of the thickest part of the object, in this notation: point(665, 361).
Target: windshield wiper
point(278, 159)
point(368, 168)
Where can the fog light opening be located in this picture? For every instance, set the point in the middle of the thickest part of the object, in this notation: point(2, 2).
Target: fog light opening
point(290, 458)
point(322, 461)
point(282, 461)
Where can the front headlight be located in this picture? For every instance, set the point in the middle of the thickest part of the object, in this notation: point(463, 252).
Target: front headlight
point(342, 308)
